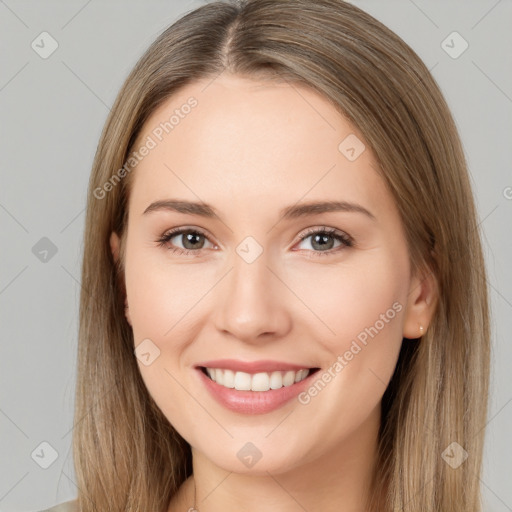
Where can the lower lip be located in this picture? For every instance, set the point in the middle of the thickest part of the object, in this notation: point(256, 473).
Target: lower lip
point(253, 402)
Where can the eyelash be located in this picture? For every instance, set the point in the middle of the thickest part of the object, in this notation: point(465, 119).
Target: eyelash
point(345, 240)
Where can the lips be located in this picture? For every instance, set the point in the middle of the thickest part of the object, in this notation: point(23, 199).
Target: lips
point(247, 389)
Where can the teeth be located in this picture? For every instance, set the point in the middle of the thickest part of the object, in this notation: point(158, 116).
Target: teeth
point(242, 380)
point(276, 380)
point(260, 382)
point(219, 377)
point(289, 378)
point(264, 381)
point(229, 378)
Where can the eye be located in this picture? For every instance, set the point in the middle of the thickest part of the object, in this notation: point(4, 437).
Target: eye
point(192, 239)
point(324, 239)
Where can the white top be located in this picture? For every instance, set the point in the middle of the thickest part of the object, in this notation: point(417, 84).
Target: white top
point(67, 506)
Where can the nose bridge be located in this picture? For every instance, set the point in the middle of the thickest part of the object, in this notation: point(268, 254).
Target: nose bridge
point(251, 302)
point(250, 275)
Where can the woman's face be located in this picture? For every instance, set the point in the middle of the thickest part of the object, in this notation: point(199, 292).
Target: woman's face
point(249, 290)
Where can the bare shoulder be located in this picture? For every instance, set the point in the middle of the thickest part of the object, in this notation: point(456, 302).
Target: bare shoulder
point(67, 506)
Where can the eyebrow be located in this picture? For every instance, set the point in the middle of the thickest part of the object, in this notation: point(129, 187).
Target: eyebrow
point(290, 212)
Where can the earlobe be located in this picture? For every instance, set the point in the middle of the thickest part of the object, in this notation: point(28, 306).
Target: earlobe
point(421, 304)
point(127, 311)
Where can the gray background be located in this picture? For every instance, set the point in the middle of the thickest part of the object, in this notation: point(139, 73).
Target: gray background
point(52, 113)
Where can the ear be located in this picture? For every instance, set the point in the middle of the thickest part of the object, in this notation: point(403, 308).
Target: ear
point(421, 304)
point(115, 243)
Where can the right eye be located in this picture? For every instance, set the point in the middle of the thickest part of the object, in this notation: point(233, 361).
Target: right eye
point(191, 238)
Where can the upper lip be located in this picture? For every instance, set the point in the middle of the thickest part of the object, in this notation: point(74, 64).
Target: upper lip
point(252, 366)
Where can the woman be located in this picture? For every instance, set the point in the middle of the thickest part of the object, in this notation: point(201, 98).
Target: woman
point(283, 302)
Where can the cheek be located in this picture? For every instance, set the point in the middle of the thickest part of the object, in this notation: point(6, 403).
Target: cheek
point(167, 304)
point(164, 307)
point(163, 297)
point(363, 308)
point(346, 301)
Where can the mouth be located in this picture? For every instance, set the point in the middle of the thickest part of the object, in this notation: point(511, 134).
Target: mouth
point(256, 381)
point(253, 388)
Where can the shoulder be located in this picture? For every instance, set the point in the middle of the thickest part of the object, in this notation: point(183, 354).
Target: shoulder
point(67, 506)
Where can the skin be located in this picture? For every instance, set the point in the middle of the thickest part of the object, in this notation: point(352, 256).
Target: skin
point(250, 149)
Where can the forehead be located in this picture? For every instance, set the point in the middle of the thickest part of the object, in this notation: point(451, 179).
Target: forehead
point(238, 139)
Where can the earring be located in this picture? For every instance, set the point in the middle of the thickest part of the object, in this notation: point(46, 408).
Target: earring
point(421, 329)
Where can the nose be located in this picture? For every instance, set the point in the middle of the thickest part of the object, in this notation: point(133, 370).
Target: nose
point(252, 302)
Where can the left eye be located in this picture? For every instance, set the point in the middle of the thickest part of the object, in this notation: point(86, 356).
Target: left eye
point(324, 239)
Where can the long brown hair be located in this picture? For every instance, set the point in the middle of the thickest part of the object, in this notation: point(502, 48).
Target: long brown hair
point(127, 456)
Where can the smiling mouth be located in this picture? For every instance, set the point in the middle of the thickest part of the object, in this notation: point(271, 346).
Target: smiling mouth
point(261, 381)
